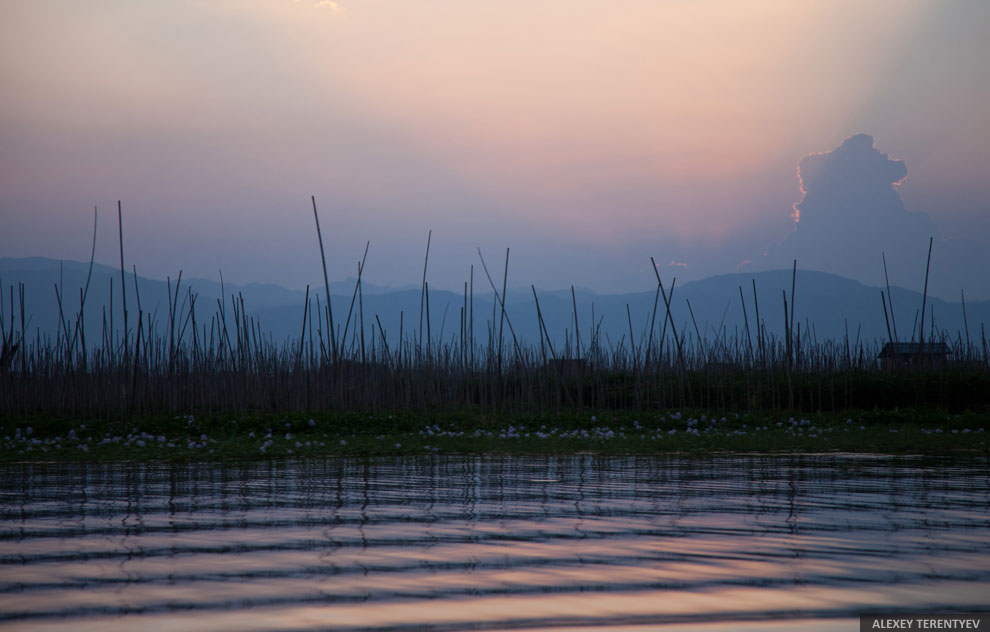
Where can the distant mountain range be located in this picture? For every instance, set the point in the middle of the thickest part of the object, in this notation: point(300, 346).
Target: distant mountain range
point(827, 306)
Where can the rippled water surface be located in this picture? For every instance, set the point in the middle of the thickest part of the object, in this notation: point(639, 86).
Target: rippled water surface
point(727, 543)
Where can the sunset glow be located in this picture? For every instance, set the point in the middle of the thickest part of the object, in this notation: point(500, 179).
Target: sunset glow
point(531, 315)
point(641, 128)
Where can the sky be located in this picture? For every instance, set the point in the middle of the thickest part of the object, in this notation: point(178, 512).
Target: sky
point(584, 136)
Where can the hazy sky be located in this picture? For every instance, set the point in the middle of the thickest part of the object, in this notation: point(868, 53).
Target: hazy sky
point(586, 136)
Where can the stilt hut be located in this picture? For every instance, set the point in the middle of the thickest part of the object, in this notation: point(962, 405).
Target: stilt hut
point(914, 354)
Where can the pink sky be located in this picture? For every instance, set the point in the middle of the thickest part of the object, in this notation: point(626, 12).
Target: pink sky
point(586, 136)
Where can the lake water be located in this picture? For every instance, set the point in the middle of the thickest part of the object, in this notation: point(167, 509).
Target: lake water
point(450, 543)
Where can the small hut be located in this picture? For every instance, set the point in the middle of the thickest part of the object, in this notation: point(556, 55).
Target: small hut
point(914, 354)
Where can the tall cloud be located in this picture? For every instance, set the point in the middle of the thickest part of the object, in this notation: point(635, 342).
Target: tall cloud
point(851, 212)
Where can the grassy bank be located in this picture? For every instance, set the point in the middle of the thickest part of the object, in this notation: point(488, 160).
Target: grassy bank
point(220, 438)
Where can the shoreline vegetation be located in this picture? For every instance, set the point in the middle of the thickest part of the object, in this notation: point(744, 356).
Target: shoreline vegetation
point(174, 387)
point(189, 438)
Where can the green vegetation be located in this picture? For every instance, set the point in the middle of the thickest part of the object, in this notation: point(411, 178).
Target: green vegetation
point(618, 432)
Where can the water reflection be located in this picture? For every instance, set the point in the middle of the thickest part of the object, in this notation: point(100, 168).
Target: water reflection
point(495, 542)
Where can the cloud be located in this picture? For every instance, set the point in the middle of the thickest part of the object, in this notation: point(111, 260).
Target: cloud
point(853, 180)
point(329, 4)
point(850, 212)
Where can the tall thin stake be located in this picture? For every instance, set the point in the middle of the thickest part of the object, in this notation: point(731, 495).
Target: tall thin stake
point(890, 298)
point(422, 292)
point(326, 284)
point(501, 323)
point(123, 283)
point(749, 339)
point(962, 296)
point(924, 297)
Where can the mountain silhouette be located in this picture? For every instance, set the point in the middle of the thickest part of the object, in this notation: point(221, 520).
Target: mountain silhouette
point(826, 307)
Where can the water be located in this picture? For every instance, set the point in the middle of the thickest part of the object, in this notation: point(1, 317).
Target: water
point(450, 543)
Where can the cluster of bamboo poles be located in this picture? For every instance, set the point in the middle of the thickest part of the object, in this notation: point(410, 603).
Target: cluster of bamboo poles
point(227, 364)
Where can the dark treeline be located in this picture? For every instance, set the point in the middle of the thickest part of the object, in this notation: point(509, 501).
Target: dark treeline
point(225, 363)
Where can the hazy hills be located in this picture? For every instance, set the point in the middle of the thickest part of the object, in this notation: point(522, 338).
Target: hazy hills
point(826, 305)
